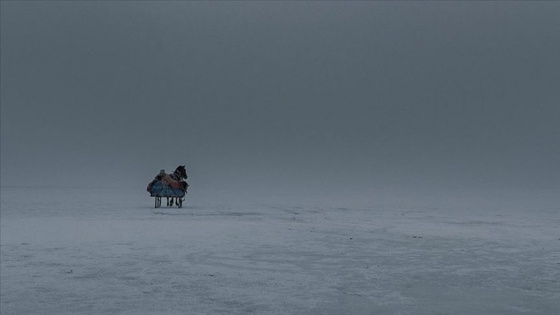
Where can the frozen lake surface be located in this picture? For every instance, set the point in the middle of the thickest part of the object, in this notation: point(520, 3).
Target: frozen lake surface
point(95, 251)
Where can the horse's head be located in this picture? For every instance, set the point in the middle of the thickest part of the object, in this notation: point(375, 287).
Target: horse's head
point(181, 171)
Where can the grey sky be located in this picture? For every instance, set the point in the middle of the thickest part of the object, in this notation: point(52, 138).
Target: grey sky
point(317, 96)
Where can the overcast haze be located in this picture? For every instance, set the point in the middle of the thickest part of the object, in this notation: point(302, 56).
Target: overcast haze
point(320, 97)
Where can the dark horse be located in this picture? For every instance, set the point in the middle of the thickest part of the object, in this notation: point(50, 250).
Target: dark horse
point(174, 182)
point(178, 175)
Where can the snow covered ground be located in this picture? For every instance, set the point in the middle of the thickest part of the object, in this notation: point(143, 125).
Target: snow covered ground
point(95, 251)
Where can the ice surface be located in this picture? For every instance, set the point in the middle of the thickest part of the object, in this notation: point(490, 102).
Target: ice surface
point(95, 251)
